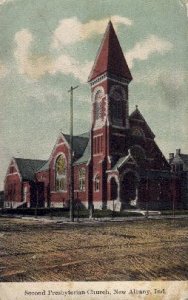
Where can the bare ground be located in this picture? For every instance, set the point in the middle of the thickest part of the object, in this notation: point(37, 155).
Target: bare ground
point(131, 250)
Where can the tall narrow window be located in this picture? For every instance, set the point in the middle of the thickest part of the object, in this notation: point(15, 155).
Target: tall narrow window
point(60, 173)
point(97, 110)
point(25, 193)
point(117, 104)
point(82, 179)
point(97, 144)
point(97, 183)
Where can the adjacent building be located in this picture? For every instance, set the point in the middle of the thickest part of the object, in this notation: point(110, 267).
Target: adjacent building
point(179, 166)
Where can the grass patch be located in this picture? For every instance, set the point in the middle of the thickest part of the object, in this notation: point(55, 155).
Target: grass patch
point(176, 212)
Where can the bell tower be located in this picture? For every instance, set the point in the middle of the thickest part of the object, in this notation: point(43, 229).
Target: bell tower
point(109, 80)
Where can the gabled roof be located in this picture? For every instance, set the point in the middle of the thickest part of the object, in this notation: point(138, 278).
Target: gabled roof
point(123, 160)
point(136, 115)
point(79, 143)
point(110, 57)
point(28, 167)
point(86, 155)
point(45, 167)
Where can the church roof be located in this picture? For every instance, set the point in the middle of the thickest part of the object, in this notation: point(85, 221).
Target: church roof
point(123, 160)
point(79, 143)
point(136, 115)
point(80, 148)
point(45, 167)
point(28, 167)
point(86, 155)
point(110, 57)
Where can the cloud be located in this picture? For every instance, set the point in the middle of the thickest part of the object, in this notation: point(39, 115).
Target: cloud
point(23, 41)
point(5, 1)
point(71, 30)
point(184, 3)
point(35, 66)
point(70, 66)
point(3, 70)
point(142, 50)
point(170, 83)
point(177, 76)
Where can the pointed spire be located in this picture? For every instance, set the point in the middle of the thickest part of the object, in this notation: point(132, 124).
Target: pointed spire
point(110, 57)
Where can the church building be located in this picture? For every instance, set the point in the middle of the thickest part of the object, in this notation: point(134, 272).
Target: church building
point(117, 164)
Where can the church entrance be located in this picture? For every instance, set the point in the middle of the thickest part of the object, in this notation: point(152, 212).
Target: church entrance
point(129, 190)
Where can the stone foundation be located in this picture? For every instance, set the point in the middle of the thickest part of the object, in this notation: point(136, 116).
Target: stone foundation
point(57, 204)
point(114, 205)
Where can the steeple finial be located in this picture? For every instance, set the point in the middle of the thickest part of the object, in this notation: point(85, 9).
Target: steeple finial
point(110, 57)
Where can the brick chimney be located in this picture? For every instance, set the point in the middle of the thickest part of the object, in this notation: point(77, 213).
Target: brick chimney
point(178, 151)
point(171, 156)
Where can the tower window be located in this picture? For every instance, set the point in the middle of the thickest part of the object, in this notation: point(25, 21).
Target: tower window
point(97, 110)
point(117, 109)
point(117, 103)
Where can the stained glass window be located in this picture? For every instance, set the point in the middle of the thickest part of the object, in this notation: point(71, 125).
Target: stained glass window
point(137, 131)
point(61, 173)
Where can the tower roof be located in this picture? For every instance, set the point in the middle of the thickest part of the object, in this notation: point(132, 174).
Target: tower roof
point(110, 57)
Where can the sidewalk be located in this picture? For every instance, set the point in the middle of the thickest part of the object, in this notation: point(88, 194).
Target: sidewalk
point(60, 220)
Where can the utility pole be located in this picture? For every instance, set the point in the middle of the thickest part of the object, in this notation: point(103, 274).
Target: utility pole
point(37, 203)
point(147, 200)
point(71, 190)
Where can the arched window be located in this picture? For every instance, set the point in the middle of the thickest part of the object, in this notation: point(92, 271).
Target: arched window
point(137, 131)
point(82, 179)
point(117, 112)
point(113, 189)
point(97, 183)
point(97, 110)
point(117, 104)
point(138, 153)
point(61, 173)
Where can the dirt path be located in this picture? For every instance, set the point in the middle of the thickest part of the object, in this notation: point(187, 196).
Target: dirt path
point(140, 250)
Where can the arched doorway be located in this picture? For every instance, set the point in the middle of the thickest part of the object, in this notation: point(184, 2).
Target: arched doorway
point(113, 189)
point(129, 190)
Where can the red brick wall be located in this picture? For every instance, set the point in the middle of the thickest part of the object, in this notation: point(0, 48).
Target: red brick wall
point(44, 177)
point(12, 185)
point(80, 194)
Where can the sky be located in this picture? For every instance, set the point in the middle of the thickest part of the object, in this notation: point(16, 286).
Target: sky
point(47, 46)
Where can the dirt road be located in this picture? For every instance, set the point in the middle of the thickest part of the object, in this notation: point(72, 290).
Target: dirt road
point(135, 250)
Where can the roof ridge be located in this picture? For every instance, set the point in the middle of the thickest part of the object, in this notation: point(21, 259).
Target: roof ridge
point(31, 159)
